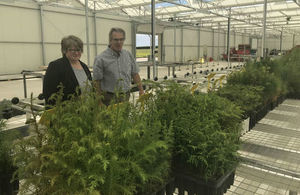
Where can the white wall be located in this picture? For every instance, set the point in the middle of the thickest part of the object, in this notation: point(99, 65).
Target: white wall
point(21, 42)
point(287, 42)
point(297, 40)
point(212, 43)
point(219, 46)
point(190, 43)
point(259, 51)
point(20, 34)
point(19, 39)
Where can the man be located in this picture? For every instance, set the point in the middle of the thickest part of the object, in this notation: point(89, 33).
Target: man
point(114, 69)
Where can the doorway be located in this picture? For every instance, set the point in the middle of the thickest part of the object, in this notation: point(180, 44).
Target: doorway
point(143, 47)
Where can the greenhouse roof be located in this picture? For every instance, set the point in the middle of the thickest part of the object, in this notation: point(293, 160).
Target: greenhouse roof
point(246, 15)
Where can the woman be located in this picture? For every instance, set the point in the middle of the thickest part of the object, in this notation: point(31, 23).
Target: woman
point(67, 71)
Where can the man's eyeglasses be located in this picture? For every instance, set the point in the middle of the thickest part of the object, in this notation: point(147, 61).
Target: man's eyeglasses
point(74, 50)
point(121, 40)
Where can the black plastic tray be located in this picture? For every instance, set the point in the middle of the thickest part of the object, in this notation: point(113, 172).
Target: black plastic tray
point(198, 186)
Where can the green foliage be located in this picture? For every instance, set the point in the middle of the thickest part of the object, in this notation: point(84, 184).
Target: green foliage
point(2, 124)
point(93, 149)
point(288, 68)
point(258, 74)
point(206, 129)
point(247, 97)
point(6, 152)
point(4, 105)
point(143, 53)
point(8, 184)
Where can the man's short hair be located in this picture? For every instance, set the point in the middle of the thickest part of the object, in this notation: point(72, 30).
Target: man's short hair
point(119, 30)
point(69, 42)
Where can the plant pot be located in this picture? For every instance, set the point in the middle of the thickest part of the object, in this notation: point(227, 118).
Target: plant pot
point(10, 112)
point(195, 185)
point(166, 189)
point(7, 187)
point(280, 99)
point(263, 111)
point(257, 116)
point(245, 125)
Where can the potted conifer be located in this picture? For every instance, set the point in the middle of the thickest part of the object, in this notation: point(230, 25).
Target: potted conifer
point(87, 148)
point(8, 184)
point(206, 138)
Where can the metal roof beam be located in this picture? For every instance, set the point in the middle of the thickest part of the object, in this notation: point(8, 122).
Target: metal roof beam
point(269, 11)
point(246, 4)
point(125, 6)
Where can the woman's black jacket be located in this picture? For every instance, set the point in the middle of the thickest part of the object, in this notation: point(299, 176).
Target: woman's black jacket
point(61, 72)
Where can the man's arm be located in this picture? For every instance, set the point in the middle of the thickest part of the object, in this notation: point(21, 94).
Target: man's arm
point(137, 80)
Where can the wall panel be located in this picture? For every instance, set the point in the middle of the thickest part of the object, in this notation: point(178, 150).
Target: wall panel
point(206, 38)
point(169, 51)
point(17, 57)
point(297, 40)
point(20, 34)
point(287, 42)
point(19, 25)
point(104, 26)
point(190, 37)
point(58, 25)
point(239, 40)
point(232, 40)
point(169, 36)
point(189, 53)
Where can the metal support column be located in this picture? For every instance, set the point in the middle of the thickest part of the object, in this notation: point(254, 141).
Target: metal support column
point(181, 45)
point(198, 48)
point(244, 37)
point(263, 42)
point(25, 86)
point(87, 32)
point(228, 37)
point(281, 39)
point(293, 40)
point(234, 39)
point(173, 69)
point(153, 37)
point(257, 44)
point(224, 43)
point(218, 55)
point(42, 34)
point(95, 29)
point(175, 42)
point(213, 43)
point(133, 39)
point(161, 48)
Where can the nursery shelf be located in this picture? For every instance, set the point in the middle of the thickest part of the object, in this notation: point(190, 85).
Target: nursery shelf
point(270, 154)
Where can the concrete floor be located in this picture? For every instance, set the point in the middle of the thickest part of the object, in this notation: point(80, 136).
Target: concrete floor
point(15, 88)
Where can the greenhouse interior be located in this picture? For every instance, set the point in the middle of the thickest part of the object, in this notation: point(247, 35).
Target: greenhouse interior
point(150, 97)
